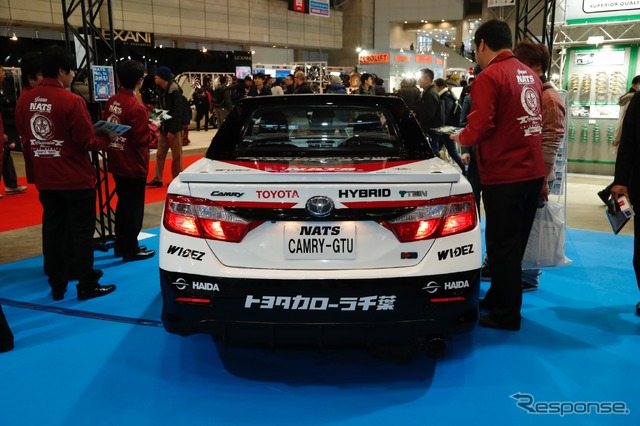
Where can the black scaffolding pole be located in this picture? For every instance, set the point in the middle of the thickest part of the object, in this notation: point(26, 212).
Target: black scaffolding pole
point(94, 49)
point(535, 21)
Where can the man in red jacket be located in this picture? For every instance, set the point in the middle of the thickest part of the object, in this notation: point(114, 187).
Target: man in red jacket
point(128, 156)
point(57, 127)
point(505, 124)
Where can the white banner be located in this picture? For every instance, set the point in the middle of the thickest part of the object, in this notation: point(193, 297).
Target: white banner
point(584, 11)
point(500, 3)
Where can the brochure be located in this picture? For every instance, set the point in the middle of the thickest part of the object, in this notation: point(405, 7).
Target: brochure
point(617, 217)
point(159, 115)
point(447, 130)
point(103, 127)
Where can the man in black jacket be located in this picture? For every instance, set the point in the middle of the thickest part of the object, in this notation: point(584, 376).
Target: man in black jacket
point(301, 86)
point(627, 178)
point(171, 99)
point(450, 116)
point(428, 109)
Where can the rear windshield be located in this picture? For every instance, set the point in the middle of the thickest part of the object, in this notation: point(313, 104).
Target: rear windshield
point(321, 130)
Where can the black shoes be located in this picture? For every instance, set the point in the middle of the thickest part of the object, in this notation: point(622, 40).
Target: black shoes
point(141, 255)
point(118, 253)
point(154, 182)
point(6, 336)
point(526, 287)
point(6, 346)
point(487, 322)
point(58, 293)
point(638, 309)
point(97, 291)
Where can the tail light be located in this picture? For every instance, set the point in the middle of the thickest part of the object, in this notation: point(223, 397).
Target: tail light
point(435, 218)
point(202, 218)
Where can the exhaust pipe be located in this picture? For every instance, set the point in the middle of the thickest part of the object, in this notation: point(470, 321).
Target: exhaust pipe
point(436, 347)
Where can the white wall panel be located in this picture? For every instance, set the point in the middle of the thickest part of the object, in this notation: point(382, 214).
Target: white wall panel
point(264, 21)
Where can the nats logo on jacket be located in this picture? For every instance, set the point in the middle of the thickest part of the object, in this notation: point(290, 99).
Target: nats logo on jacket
point(43, 129)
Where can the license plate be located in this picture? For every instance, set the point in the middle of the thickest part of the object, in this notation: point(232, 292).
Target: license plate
point(320, 241)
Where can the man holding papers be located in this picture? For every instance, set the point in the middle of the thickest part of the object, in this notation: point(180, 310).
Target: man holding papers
point(57, 129)
point(128, 156)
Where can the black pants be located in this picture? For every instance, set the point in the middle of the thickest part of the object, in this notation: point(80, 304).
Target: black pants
point(636, 239)
point(68, 224)
point(129, 212)
point(9, 170)
point(510, 210)
point(5, 332)
point(202, 113)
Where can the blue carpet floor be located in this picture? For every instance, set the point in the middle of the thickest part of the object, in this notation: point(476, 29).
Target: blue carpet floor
point(578, 350)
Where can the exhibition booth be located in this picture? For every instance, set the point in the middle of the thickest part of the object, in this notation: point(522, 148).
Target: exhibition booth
point(597, 63)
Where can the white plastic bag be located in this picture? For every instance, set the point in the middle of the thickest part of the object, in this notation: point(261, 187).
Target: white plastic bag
point(545, 248)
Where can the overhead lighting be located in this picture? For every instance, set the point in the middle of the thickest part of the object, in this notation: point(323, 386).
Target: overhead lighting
point(405, 22)
point(442, 20)
point(14, 37)
point(595, 40)
point(358, 49)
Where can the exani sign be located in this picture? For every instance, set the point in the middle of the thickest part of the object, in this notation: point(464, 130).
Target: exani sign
point(136, 38)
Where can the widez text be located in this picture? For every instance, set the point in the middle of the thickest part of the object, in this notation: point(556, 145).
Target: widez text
point(183, 252)
point(455, 252)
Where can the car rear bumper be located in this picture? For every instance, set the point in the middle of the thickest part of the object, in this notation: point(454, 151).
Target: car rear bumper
point(321, 311)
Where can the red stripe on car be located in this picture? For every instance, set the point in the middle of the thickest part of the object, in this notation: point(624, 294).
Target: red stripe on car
point(337, 167)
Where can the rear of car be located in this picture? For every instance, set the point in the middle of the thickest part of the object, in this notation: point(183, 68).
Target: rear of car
point(320, 219)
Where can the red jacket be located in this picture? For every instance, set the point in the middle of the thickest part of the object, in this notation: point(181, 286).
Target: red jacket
point(505, 122)
point(129, 154)
point(56, 125)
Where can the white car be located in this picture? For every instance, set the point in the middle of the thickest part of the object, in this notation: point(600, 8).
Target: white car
point(321, 219)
